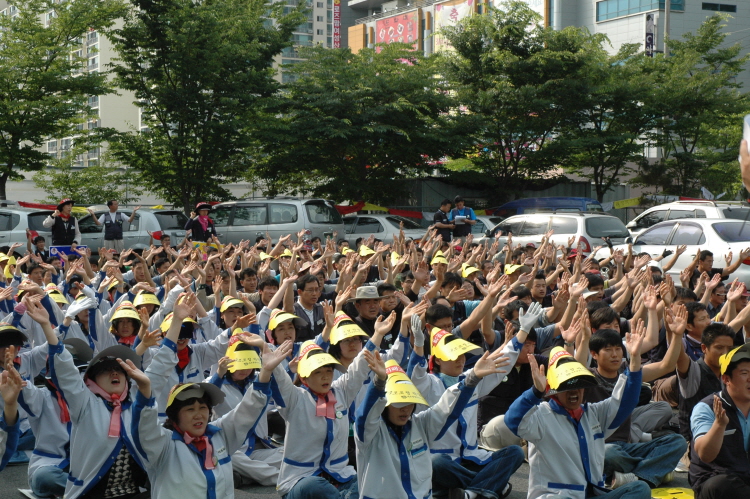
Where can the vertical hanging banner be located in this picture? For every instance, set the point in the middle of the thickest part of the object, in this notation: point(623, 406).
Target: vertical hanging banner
point(649, 48)
point(449, 14)
point(336, 24)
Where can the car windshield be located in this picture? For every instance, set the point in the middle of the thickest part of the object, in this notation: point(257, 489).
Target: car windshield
point(598, 226)
point(739, 213)
point(171, 219)
point(408, 224)
point(732, 232)
point(321, 212)
point(35, 220)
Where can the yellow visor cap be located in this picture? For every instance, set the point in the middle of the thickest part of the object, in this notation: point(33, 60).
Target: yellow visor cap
point(344, 327)
point(446, 346)
point(312, 357)
point(399, 389)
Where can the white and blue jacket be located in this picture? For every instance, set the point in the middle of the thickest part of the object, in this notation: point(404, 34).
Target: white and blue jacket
point(177, 470)
point(92, 451)
point(316, 444)
point(8, 440)
point(460, 441)
point(567, 456)
point(400, 467)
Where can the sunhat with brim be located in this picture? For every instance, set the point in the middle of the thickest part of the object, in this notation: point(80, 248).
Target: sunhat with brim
point(202, 205)
point(312, 357)
point(652, 264)
point(243, 356)
point(146, 298)
point(448, 347)
point(366, 251)
point(565, 373)
point(231, 302)
point(394, 258)
point(346, 251)
point(126, 311)
point(438, 257)
point(80, 350)
point(738, 354)
point(189, 391)
point(344, 327)
point(55, 293)
point(187, 321)
point(265, 256)
point(63, 202)
point(510, 268)
point(279, 317)
point(366, 293)
point(399, 389)
point(7, 259)
point(114, 353)
point(468, 270)
point(11, 336)
point(286, 252)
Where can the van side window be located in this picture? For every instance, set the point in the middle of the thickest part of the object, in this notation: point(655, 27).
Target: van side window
point(534, 227)
point(652, 218)
point(367, 225)
point(564, 225)
point(282, 213)
point(220, 215)
point(249, 215)
point(5, 221)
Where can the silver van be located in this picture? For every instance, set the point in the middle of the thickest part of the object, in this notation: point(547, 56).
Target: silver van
point(250, 218)
point(135, 234)
point(14, 220)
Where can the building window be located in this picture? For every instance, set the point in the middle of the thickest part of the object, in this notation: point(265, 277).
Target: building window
point(93, 101)
point(610, 9)
point(52, 146)
point(320, 31)
point(719, 7)
point(319, 19)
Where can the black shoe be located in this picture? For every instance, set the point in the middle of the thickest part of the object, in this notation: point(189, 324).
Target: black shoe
point(239, 481)
point(507, 490)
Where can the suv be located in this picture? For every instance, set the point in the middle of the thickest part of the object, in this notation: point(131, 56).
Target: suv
point(14, 221)
point(590, 227)
point(687, 209)
point(135, 234)
point(249, 218)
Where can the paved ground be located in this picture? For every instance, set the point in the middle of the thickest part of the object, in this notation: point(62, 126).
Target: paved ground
point(14, 477)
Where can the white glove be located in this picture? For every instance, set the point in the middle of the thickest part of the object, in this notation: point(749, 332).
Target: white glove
point(530, 318)
point(77, 307)
point(417, 330)
point(86, 290)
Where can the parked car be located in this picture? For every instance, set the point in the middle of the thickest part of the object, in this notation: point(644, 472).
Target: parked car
point(719, 235)
point(250, 218)
point(546, 205)
point(588, 228)
point(135, 234)
point(14, 221)
point(382, 226)
point(687, 209)
point(484, 223)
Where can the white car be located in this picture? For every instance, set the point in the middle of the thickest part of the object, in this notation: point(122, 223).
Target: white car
point(679, 210)
point(718, 235)
point(382, 226)
point(485, 223)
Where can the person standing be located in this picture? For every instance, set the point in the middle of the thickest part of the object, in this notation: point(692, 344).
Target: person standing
point(462, 217)
point(201, 226)
point(442, 222)
point(64, 226)
point(113, 221)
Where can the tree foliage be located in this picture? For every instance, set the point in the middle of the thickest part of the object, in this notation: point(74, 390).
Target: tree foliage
point(518, 80)
point(201, 72)
point(352, 123)
point(43, 93)
point(87, 186)
point(699, 105)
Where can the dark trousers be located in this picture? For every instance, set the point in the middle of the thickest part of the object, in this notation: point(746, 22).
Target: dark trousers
point(723, 487)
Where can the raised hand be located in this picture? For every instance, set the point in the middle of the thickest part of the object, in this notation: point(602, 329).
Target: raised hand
point(676, 322)
point(537, 372)
point(491, 363)
point(376, 363)
point(272, 358)
point(140, 378)
point(383, 324)
point(720, 413)
point(11, 384)
point(244, 321)
point(223, 366)
point(530, 317)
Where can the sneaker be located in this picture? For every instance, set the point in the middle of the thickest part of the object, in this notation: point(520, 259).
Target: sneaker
point(507, 490)
point(621, 479)
point(668, 477)
point(20, 457)
point(681, 467)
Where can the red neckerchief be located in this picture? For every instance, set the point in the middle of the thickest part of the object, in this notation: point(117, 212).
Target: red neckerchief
point(200, 443)
point(64, 413)
point(325, 405)
point(576, 414)
point(115, 400)
point(64, 216)
point(183, 358)
point(127, 340)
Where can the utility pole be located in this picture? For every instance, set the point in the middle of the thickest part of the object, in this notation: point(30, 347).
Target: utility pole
point(667, 8)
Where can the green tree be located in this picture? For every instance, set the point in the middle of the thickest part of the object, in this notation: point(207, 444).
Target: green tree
point(87, 186)
point(606, 130)
point(352, 123)
point(200, 72)
point(697, 98)
point(519, 82)
point(43, 90)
